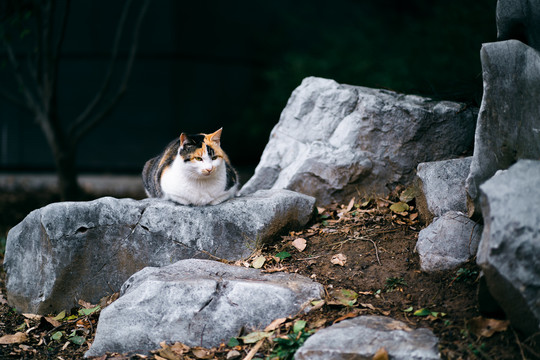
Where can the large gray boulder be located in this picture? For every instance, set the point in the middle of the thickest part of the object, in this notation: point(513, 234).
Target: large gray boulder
point(198, 303)
point(441, 186)
point(509, 252)
point(362, 337)
point(508, 125)
point(449, 241)
point(86, 250)
point(519, 20)
point(334, 141)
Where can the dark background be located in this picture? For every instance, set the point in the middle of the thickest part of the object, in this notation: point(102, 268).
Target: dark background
point(210, 64)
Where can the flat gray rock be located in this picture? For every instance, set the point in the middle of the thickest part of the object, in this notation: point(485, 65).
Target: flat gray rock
point(449, 241)
point(361, 337)
point(334, 141)
point(442, 187)
point(508, 125)
point(509, 252)
point(86, 250)
point(198, 303)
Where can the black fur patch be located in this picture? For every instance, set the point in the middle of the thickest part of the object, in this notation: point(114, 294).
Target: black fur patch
point(210, 151)
point(192, 143)
point(232, 177)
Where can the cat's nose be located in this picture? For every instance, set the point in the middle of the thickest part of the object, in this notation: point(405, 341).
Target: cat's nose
point(208, 171)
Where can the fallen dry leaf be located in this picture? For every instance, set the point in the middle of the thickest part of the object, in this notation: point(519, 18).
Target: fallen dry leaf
point(317, 304)
point(381, 354)
point(369, 306)
point(275, 324)
point(398, 325)
point(485, 327)
point(258, 262)
point(347, 316)
point(16, 338)
point(233, 354)
point(343, 297)
point(33, 317)
point(53, 321)
point(201, 353)
point(339, 259)
point(180, 348)
point(86, 304)
point(299, 244)
point(350, 206)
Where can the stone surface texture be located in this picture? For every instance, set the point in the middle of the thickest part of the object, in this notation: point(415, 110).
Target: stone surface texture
point(450, 240)
point(509, 252)
point(198, 303)
point(334, 141)
point(519, 20)
point(86, 250)
point(442, 187)
point(508, 126)
point(361, 337)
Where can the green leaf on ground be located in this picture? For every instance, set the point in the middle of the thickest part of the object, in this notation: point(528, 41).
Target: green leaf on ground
point(399, 207)
point(86, 312)
point(408, 194)
point(421, 312)
point(57, 336)
point(299, 326)
point(255, 336)
point(78, 340)
point(60, 316)
point(233, 342)
point(283, 255)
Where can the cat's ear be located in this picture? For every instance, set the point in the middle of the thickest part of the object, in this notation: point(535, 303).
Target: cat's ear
point(216, 136)
point(184, 140)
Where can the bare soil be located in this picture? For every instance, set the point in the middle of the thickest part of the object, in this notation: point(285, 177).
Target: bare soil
point(363, 254)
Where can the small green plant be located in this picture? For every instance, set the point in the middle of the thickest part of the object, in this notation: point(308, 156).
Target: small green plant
point(465, 275)
point(392, 283)
point(286, 347)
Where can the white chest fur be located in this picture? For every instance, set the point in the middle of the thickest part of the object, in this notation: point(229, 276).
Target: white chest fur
point(184, 183)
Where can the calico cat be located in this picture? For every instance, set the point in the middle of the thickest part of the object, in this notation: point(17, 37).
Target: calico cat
point(192, 170)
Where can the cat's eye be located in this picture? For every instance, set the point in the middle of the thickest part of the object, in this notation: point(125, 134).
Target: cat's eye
point(214, 157)
point(198, 158)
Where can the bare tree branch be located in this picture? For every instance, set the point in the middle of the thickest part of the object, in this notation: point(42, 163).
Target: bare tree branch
point(90, 123)
point(83, 117)
point(60, 40)
point(31, 102)
point(46, 39)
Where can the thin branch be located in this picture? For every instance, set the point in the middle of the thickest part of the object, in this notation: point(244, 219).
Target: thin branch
point(30, 103)
point(46, 39)
point(60, 41)
point(83, 117)
point(79, 132)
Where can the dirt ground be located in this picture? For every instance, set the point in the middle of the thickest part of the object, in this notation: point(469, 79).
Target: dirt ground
point(363, 254)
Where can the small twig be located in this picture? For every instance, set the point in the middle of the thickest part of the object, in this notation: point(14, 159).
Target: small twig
point(374, 245)
point(519, 345)
point(254, 349)
point(215, 257)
